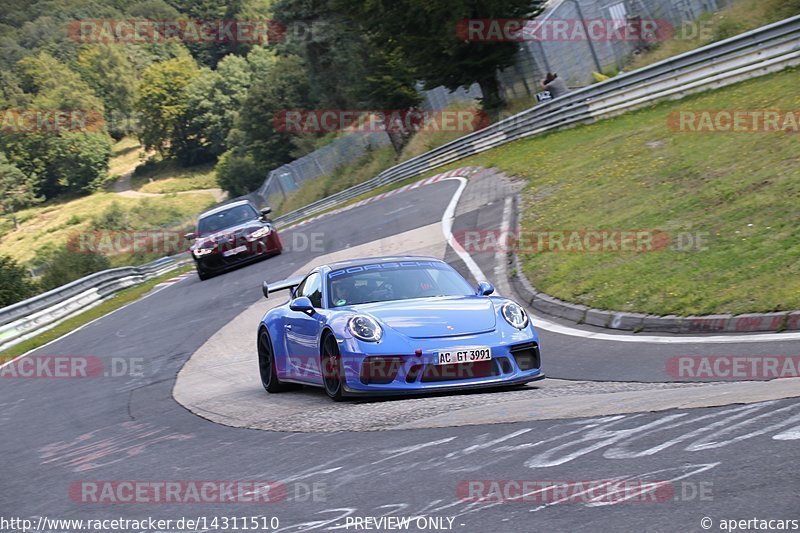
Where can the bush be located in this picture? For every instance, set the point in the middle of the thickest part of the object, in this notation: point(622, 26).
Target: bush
point(114, 218)
point(68, 263)
point(239, 174)
point(15, 283)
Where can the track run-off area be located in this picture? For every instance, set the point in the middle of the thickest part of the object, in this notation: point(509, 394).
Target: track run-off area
point(611, 408)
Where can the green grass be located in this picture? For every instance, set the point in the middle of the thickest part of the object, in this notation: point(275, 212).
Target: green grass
point(169, 177)
point(345, 176)
point(126, 154)
point(633, 172)
point(120, 299)
point(740, 17)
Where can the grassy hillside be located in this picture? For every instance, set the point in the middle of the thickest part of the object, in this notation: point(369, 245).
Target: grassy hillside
point(740, 17)
point(634, 172)
point(168, 177)
point(46, 227)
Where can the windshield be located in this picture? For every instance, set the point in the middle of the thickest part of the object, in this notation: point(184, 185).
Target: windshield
point(383, 282)
point(226, 219)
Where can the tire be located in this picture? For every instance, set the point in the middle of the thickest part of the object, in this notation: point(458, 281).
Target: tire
point(332, 369)
point(266, 365)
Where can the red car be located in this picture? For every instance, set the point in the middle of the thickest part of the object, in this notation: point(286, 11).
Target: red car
point(231, 235)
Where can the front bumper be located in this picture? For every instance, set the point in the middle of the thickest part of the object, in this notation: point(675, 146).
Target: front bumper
point(216, 262)
point(514, 362)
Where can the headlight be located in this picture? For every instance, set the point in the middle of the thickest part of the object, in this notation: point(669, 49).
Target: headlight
point(200, 252)
point(259, 233)
point(515, 315)
point(365, 328)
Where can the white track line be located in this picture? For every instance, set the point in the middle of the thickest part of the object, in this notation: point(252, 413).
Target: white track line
point(447, 229)
point(542, 323)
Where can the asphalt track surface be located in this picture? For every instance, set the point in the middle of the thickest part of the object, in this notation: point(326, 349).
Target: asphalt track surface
point(735, 462)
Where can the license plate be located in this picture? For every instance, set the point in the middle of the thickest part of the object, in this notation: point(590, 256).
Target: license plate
point(463, 355)
point(237, 250)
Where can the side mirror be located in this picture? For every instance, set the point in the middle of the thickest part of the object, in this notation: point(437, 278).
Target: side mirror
point(301, 304)
point(265, 211)
point(485, 288)
point(265, 289)
point(190, 236)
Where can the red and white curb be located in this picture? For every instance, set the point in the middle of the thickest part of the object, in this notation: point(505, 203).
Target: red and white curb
point(171, 281)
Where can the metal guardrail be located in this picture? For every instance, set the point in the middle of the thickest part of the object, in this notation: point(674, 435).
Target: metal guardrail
point(30, 317)
point(762, 51)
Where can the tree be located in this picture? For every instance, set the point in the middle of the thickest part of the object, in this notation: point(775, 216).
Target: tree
point(15, 283)
point(107, 69)
point(424, 32)
point(56, 86)
point(239, 174)
point(69, 162)
point(344, 67)
point(73, 158)
point(162, 106)
point(279, 87)
point(214, 98)
point(16, 190)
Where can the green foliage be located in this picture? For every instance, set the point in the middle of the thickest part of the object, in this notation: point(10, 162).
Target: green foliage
point(277, 83)
point(785, 8)
point(344, 67)
point(424, 34)
point(162, 105)
point(214, 99)
point(153, 10)
point(113, 218)
point(286, 87)
point(109, 71)
point(15, 283)
point(16, 189)
point(69, 263)
point(56, 86)
point(62, 163)
point(59, 161)
point(239, 173)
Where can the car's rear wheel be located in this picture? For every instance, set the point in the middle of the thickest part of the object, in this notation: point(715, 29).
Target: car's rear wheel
point(266, 364)
point(332, 376)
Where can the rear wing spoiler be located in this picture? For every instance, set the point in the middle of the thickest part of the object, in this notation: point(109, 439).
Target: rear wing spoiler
point(282, 285)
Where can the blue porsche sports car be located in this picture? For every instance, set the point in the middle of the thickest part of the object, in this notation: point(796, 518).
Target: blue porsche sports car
point(394, 325)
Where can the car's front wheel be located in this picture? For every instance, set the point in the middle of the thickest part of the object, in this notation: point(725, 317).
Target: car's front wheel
point(332, 377)
point(266, 364)
point(202, 274)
